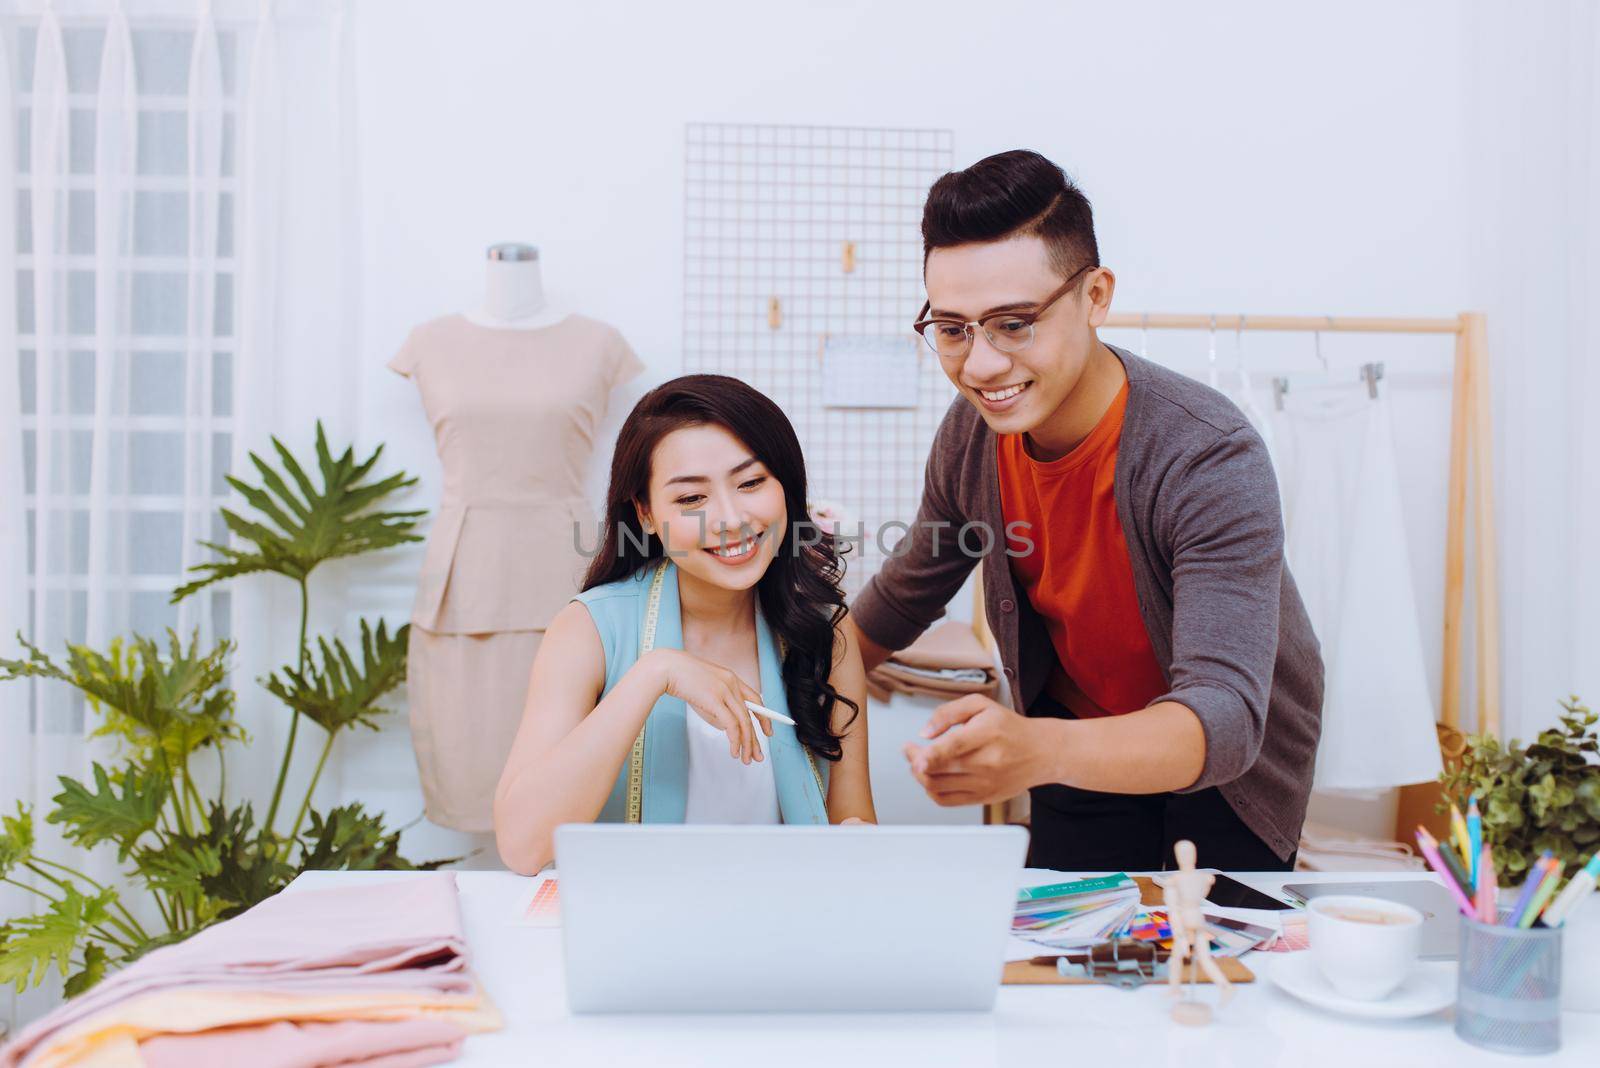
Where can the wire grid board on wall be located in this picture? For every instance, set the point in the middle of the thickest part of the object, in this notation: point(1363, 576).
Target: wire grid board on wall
point(798, 236)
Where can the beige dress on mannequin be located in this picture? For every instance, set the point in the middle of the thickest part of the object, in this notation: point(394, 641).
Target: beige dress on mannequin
point(514, 415)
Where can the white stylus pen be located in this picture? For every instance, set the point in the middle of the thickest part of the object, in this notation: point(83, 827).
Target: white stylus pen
point(763, 710)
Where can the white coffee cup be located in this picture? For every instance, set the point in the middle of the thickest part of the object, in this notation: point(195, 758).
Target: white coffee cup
point(1364, 946)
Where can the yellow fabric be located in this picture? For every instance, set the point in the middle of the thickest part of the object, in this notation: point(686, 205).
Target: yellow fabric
point(110, 1039)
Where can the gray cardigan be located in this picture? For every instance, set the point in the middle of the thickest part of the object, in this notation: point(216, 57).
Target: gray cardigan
point(1198, 503)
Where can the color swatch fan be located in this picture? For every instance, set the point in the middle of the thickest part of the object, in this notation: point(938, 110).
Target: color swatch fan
point(1081, 912)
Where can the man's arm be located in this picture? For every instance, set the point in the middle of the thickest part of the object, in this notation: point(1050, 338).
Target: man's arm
point(995, 754)
point(1225, 528)
point(872, 654)
point(910, 591)
point(1092, 754)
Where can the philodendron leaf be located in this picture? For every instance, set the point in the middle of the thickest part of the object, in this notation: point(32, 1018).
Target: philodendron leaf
point(239, 865)
point(31, 944)
point(93, 970)
point(16, 839)
point(349, 839)
point(334, 691)
point(177, 867)
point(297, 527)
point(171, 702)
point(91, 817)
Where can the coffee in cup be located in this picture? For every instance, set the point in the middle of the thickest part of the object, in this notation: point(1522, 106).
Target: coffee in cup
point(1364, 946)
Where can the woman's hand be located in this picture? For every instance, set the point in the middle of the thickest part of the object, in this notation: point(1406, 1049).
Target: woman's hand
point(716, 694)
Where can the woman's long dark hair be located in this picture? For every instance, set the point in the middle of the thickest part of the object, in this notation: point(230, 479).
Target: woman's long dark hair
point(800, 594)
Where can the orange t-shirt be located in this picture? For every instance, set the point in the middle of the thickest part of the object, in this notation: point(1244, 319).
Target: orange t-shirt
point(1078, 577)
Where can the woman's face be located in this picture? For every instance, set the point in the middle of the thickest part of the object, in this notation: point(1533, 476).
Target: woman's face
point(717, 509)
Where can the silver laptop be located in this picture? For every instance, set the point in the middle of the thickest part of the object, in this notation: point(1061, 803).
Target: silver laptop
point(786, 919)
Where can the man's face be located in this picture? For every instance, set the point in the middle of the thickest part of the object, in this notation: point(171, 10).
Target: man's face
point(1015, 391)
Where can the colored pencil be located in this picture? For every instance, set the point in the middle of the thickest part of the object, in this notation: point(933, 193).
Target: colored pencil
point(1458, 834)
point(1530, 885)
point(1578, 887)
point(1552, 876)
point(1458, 871)
point(1434, 855)
point(1474, 838)
point(1488, 888)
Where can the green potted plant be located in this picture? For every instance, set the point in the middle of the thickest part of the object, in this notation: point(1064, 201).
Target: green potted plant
point(199, 857)
point(1545, 796)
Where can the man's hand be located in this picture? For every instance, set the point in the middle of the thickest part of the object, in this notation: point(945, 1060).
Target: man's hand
point(984, 753)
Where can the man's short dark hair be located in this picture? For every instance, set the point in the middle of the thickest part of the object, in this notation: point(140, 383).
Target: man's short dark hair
point(1016, 192)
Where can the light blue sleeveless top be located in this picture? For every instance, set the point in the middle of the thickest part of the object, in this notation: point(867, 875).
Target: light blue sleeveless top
point(640, 613)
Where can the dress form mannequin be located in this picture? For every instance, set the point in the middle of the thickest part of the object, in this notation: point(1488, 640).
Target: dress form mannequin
point(514, 393)
point(514, 297)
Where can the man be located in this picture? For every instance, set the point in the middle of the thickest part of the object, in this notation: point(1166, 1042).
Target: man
point(1131, 540)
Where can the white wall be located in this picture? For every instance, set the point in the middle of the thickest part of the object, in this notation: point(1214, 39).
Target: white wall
point(1240, 157)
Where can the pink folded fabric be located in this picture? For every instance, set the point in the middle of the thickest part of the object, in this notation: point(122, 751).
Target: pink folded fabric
point(286, 1044)
point(884, 682)
point(951, 644)
point(915, 670)
point(403, 935)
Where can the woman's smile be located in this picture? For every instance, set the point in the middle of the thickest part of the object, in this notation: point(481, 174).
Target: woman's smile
point(736, 553)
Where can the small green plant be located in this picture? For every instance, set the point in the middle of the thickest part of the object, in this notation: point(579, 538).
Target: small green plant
point(203, 859)
point(1545, 796)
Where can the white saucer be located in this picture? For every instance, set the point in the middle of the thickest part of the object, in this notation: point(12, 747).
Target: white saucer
point(1431, 986)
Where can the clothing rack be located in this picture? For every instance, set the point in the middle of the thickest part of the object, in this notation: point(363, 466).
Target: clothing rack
point(1371, 373)
point(1471, 462)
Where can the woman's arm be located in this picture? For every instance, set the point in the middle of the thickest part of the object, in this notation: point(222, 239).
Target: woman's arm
point(849, 787)
point(569, 748)
point(570, 744)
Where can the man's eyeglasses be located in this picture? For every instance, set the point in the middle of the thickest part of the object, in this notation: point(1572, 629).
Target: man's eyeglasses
point(1007, 331)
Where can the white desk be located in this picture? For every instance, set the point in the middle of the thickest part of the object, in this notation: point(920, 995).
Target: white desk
point(1031, 1027)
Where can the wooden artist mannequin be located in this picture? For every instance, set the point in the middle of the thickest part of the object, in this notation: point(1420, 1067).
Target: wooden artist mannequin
point(1184, 892)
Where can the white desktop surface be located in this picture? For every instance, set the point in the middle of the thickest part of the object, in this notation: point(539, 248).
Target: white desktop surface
point(1030, 1027)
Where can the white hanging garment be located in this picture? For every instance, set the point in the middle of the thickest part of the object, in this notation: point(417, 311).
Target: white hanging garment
point(1346, 542)
point(1244, 395)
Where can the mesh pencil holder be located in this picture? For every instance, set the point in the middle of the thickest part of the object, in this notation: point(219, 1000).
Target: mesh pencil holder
point(1508, 991)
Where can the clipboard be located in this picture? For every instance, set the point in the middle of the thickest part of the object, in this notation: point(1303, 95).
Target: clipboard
point(1041, 971)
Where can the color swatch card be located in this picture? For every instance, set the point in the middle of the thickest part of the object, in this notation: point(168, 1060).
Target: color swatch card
point(541, 908)
point(1079, 912)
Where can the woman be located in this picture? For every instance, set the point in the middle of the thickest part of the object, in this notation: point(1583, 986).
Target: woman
point(710, 590)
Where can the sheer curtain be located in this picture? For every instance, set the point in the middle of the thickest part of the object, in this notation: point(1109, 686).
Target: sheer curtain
point(161, 197)
point(1533, 163)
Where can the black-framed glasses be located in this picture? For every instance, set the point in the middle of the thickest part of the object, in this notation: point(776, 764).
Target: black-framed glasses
point(1010, 331)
